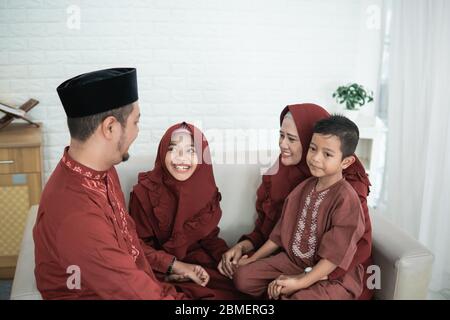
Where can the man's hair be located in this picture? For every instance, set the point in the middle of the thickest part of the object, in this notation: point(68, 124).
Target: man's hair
point(82, 128)
point(343, 128)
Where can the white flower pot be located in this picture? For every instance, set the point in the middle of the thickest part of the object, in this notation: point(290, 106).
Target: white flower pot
point(352, 115)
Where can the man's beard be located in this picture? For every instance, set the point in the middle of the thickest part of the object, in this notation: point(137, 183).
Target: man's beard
point(126, 155)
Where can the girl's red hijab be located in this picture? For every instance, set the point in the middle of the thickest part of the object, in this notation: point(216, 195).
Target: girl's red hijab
point(187, 210)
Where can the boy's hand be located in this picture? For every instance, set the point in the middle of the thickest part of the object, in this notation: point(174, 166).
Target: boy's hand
point(293, 283)
point(290, 284)
point(274, 290)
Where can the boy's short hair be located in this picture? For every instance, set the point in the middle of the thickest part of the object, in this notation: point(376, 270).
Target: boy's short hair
point(345, 129)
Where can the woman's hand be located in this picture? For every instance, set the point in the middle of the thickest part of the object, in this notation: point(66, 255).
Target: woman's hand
point(182, 272)
point(245, 260)
point(230, 259)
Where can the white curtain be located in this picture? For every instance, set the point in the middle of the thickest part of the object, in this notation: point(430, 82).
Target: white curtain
point(417, 183)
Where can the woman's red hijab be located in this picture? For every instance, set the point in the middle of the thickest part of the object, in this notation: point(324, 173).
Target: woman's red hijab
point(305, 117)
point(274, 190)
point(186, 211)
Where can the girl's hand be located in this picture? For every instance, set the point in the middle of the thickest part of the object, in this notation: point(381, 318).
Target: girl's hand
point(200, 276)
point(189, 272)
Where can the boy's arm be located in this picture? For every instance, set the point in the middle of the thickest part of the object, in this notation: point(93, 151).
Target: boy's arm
point(266, 250)
point(290, 284)
point(320, 272)
point(246, 246)
point(339, 244)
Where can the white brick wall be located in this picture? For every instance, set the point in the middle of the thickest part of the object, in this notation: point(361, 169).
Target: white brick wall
point(224, 64)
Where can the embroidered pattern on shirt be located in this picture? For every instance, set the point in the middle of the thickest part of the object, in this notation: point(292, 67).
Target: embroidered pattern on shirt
point(78, 169)
point(306, 248)
point(95, 186)
point(122, 214)
point(95, 182)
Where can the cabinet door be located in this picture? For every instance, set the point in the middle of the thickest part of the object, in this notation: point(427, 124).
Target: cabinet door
point(17, 193)
point(20, 160)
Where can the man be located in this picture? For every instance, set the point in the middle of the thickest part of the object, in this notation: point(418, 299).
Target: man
point(86, 245)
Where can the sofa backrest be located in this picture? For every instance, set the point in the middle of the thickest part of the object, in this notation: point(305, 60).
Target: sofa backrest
point(405, 264)
point(237, 181)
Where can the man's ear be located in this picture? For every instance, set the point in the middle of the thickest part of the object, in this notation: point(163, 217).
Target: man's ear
point(348, 161)
point(107, 127)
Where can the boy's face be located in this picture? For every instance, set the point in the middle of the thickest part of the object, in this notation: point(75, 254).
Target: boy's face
point(325, 156)
point(181, 159)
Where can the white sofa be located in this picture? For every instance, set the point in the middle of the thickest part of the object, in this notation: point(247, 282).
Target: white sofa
point(404, 263)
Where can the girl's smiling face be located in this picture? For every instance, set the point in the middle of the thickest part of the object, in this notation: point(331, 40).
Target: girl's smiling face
point(181, 158)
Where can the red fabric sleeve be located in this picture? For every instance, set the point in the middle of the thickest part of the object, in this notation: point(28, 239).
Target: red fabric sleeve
point(214, 245)
point(159, 260)
point(193, 231)
point(364, 247)
point(268, 211)
point(338, 245)
point(275, 235)
point(88, 242)
point(256, 237)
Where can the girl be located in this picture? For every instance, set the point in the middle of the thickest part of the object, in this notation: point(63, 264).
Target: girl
point(176, 209)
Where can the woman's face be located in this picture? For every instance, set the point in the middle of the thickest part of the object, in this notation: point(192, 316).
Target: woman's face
point(181, 159)
point(290, 144)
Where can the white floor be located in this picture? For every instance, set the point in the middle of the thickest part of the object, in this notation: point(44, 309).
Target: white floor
point(443, 295)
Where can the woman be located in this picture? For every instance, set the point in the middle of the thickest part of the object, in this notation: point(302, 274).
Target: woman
point(176, 209)
point(297, 122)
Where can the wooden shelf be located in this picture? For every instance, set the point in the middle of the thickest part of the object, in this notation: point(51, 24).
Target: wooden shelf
point(20, 135)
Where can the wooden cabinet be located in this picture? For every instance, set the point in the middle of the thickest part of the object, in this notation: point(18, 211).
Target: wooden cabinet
point(20, 187)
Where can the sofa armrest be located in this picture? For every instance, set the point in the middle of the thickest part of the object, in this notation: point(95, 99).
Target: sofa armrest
point(24, 284)
point(405, 264)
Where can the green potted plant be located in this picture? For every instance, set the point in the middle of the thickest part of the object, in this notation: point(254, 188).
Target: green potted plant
point(352, 97)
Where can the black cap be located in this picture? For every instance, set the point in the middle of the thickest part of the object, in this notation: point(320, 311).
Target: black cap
point(98, 91)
